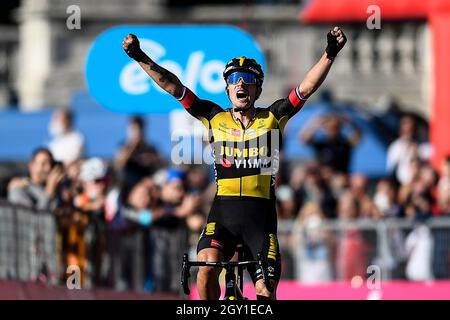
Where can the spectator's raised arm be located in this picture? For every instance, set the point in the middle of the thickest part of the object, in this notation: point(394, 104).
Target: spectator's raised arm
point(310, 129)
point(356, 135)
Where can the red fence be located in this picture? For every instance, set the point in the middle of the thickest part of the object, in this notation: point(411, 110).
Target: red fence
point(16, 290)
point(388, 290)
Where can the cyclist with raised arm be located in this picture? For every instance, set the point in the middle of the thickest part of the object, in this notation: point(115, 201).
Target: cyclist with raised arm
point(246, 142)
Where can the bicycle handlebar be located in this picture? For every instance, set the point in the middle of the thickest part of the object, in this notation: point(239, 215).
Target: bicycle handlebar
point(221, 264)
point(185, 272)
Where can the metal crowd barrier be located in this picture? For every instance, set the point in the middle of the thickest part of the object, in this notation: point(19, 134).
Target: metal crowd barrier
point(27, 244)
point(315, 252)
point(29, 251)
point(339, 250)
point(318, 253)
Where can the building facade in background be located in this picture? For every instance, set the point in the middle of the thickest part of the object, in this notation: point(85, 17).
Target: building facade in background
point(42, 62)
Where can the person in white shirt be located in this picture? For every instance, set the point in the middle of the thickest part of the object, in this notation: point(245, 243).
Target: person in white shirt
point(419, 247)
point(67, 144)
point(404, 150)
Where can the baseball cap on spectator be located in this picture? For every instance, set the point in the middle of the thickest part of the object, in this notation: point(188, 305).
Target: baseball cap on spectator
point(164, 176)
point(175, 175)
point(93, 169)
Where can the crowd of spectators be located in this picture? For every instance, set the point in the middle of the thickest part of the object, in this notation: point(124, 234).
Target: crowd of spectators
point(122, 222)
point(126, 222)
point(324, 190)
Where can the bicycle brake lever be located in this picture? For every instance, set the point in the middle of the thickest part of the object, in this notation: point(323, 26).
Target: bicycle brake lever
point(185, 275)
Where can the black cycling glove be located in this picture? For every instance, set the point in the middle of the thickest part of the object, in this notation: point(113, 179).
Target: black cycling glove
point(134, 50)
point(333, 46)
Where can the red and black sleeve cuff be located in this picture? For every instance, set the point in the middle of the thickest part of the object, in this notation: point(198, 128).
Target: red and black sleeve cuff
point(187, 98)
point(296, 98)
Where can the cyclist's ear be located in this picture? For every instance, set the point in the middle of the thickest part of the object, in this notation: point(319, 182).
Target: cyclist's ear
point(258, 92)
point(228, 93)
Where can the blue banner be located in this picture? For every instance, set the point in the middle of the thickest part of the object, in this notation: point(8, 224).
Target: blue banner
point(196, 54)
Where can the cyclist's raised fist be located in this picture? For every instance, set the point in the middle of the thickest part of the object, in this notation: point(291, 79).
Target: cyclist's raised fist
point(132, 47)
point(336, 40)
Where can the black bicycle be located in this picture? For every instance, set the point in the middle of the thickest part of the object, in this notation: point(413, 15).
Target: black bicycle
point(234, 286)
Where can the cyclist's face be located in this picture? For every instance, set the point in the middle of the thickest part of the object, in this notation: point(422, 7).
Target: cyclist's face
point(242, 95)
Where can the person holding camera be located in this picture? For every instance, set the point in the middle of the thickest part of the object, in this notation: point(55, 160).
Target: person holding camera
point(38, 190)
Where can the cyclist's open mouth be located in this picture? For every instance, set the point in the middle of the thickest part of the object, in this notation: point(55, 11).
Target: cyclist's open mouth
point(242, 95)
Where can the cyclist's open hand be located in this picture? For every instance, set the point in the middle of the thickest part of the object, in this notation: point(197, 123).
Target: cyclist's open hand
point(336, 40)
point(132, 47)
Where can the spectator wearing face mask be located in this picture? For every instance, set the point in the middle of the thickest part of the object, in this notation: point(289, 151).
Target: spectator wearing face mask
point(169, 234)
point(385, 199)
point(419, 248)
point(315, 241)
point(352, 251)
point(286, 204)
point(132, 220)
point(314, 188)
point(90, 205)
point(359, 184)
point(67, 144)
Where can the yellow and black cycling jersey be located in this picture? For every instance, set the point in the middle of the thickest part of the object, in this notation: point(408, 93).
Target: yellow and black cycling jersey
point(246, 159)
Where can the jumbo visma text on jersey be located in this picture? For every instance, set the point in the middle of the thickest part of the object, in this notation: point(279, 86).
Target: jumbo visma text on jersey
point(246, 160)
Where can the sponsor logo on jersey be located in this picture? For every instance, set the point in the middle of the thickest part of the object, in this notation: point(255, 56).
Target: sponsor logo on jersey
point(276, 165)
point(222, 130)
point(244, 153)
point(225, 162)
point(210, 228)
point(216, 244)
point(251, 132)
point(272, 254)
point(236, 132)
point(252, 163)
point(223, 125)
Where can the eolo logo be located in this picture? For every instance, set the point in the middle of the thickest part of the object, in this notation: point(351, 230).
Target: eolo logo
point(195, 54)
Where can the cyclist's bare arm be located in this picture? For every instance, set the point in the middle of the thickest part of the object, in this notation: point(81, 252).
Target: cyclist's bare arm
point(317, 74)
point(313, 79)
point(164, 78)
